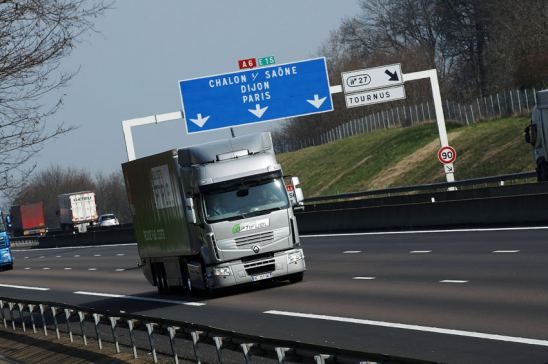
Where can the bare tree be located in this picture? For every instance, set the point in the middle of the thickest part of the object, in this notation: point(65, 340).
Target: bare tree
point(35, 35)
point(111, 196)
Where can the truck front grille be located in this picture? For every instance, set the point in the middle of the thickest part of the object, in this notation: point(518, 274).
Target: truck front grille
point(260, 267)
point(255, 239)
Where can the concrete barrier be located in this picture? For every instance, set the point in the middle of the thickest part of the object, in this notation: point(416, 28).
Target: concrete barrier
point(494, 211)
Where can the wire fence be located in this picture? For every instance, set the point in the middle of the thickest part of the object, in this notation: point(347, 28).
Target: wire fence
point(508, 103)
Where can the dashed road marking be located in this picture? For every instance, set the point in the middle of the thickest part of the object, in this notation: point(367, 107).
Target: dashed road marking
point(96, 255)
point(77, 256)
point(67, 268)
point(27, 268)
point(120, 270)
point(420, 251)
point(437, 330)
point(58, 256)
point(92, 268)
point(506, 251)
point(26, 257)
point(453, 281)
point(46, 268)
point(120, 254)
point(352, 252)
point(42, 257)
point(25, 287)
point(137, 298)
point(364, 278)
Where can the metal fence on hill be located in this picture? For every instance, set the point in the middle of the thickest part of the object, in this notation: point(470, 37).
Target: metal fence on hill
point(503, 104)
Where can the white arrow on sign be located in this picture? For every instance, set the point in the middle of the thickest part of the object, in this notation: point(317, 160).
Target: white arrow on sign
point(200, 121)
point(258, 111)
point(317, 102)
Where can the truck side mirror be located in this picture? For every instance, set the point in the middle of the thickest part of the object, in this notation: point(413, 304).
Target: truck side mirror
point(299, 196)
point(190, 212)
point(527, 134)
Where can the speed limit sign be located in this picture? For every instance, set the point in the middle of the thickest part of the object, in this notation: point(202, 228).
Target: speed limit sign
point(447, 155)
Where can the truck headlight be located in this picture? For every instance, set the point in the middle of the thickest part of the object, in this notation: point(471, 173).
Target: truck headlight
point(1, 237)
point(222, 271)
point(294, 257)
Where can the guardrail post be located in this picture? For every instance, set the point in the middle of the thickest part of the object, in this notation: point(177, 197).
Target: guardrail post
point(132, 338)
point(81, 317)
point(41, 306)
point(172, 330)
point(31, 312)
point(20, 308)
point(96, 318)
point(280, 353)
point(245, 350)
point(54, 311)
point(320, 358)
point(10, 304)
point(3, 314)
point(67, 315)
point(114, 336)
point(150, 331)
point(195, 337)
point(219, 347)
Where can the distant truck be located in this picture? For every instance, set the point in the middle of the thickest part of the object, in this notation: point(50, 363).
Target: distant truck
point(214, 215)
point(77, 210)
point(6, 259)
point(28, 219)
point(537, 135)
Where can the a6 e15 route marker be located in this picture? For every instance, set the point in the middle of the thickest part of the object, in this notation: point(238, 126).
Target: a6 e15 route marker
point(447, 155)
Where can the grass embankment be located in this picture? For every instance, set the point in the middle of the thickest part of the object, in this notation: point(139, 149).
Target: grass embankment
point(407, 156)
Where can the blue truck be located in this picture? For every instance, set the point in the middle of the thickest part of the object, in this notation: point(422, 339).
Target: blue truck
point(6, 259)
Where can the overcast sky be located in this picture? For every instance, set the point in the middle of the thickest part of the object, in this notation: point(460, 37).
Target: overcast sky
point(132, 68)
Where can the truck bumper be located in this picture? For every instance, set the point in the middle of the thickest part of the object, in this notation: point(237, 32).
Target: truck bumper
point(282, 264)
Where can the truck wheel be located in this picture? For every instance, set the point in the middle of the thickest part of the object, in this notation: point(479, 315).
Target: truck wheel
point(296, 277)
point(159, 275)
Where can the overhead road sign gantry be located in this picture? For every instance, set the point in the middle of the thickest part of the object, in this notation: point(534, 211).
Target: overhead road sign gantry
point(256, 95)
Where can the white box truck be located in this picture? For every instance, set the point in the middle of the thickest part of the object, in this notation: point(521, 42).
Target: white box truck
point(537, 135)
point(77, 210)
point(214, 215)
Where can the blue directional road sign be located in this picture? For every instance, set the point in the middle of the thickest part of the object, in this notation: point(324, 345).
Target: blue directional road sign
point(256, 95)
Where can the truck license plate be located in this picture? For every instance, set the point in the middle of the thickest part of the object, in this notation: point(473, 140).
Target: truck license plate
point(260, 277)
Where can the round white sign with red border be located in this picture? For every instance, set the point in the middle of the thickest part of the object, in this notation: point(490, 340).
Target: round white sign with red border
point(447, 155)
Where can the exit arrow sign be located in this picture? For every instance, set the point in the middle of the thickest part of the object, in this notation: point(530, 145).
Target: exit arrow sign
point(372, 78)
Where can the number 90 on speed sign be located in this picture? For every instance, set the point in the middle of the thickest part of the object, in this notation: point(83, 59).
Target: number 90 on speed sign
point(447, 155)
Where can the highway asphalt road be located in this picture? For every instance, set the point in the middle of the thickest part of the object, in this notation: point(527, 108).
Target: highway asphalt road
point(462, 296)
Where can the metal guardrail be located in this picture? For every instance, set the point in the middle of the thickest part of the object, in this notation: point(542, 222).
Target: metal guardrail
point(424, 187)
point(168, 337)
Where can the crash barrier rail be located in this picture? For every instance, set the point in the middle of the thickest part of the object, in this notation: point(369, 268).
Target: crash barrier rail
point(176, 339)
point(426, 187)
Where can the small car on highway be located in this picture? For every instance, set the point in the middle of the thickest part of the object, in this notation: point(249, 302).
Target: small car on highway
point(107, 220)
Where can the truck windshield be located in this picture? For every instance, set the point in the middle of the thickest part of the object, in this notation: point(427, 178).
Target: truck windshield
point(245, 199)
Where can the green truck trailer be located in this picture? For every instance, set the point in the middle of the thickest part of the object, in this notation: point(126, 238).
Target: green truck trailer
point(214, 215)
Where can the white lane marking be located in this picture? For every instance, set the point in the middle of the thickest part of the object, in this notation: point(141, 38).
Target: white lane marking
point(453, 281)
point(77, 256)
point(58, 256)
point(120, 254)
point(427, 231)
point(25, 257)
point(92, 268)
point(27, 268)
point(352, 251)
point(137, 298)
point(420, 251)
point(25, 287)
point(42, 257)
point(67, 268)
point(506, 251)
point(437, 330)
point(46, 268)
point(364, 278)
point(77, 247)
point(96, 255)
point(120, 270)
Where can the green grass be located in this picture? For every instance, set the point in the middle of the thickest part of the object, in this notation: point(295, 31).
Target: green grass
point(371, 160)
